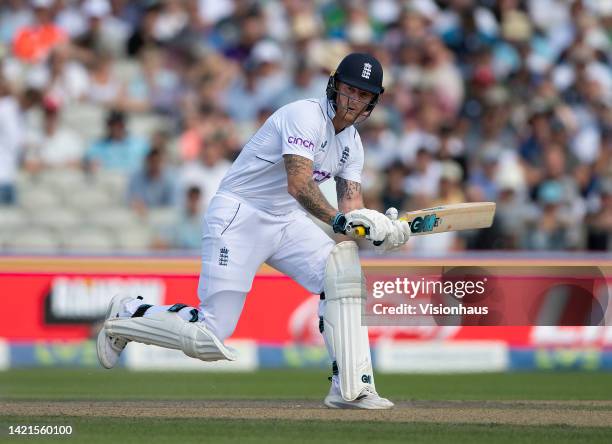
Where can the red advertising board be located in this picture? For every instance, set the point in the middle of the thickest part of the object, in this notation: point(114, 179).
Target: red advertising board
point(48, 298)
point(24, 297)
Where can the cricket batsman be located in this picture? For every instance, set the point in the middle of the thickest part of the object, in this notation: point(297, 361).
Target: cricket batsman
point(259, 215)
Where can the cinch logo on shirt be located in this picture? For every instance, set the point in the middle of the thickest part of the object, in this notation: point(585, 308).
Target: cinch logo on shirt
point(299, 141)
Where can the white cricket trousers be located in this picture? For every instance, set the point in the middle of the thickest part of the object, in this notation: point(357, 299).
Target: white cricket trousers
point(237, 240)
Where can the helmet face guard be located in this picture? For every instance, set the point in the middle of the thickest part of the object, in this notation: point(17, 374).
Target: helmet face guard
point(360, 71)
point(333, 93)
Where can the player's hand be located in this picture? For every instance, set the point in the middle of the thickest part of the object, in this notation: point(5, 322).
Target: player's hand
point(399, 234)
point(376, 224)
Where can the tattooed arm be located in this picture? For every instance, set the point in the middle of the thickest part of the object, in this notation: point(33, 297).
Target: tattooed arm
point(349, 195)
point(304, 189)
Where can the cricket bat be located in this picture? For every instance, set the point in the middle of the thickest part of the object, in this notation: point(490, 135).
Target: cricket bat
point(454, 217)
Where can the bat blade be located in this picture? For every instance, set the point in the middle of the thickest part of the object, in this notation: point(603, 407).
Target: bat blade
point(453, 217)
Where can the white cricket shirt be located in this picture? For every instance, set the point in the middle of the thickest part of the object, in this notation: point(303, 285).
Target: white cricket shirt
point(303, 128)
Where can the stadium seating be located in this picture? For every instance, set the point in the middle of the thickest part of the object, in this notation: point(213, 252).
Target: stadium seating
point(59, 219)
point(89, 240)
point(32, 239)
point(162, 217)
point(134, 239)
point(86, 119)
point(113, 218)
point(87, 199)
point(38, 198)
point(12, 217)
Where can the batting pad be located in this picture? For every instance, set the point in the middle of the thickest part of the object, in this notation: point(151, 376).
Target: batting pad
point(346, 338)
point(169, 330)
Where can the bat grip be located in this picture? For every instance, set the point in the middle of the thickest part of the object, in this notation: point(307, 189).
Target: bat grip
point(361, 231)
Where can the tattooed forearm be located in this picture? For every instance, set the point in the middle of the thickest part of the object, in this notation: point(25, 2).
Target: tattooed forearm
point(313, 201)
point(305, 190)
point(297, 167)
point(349, 194)
point(347, 189)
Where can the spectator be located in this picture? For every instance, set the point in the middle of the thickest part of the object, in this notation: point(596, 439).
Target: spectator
point(242, 99)
point(484, 177)
point(381, 141)
point(33, 43)
point(54, 146)
point(511, 215)
point(12, 133)
point(153, 186)
point(155, 88)
point(422, 183)
point(172, 20)
point(450, 189)
point(186, 232)
point(207, 172)
point(442, 75)
point(198, 126)
point(144, 35)
point(15, 15)
point(517, 93)
point(104, 32)
point(548, 231)
point(118, 150)
point(304, 85)
point(421, 129)
point(105, 88)
point(70, 18)
point(62, 78)
point(248, 25)
point(263, 82)
point(393, 194)
point(599, 233)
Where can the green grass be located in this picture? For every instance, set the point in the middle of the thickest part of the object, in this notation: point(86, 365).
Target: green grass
point(117, 385)
point(60, 384)
point(127, 430)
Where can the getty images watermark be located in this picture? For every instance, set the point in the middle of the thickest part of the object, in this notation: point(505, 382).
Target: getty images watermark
point(491, 296)
point(410, 289)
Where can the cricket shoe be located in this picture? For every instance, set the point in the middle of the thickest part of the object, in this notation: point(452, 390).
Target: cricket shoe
point(368, 399)
point(110, 347)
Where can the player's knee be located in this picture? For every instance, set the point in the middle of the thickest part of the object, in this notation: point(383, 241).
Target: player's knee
point(319, 268)
point(221, 331)
point(343, 275)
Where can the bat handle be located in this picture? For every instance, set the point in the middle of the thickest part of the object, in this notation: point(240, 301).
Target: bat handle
point(361, 231)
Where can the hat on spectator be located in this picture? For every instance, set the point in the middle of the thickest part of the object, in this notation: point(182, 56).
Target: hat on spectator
point(451, 171)
point(516, 26)
point(328, 54)
point(496, 96)
point(267, 51)
point(304, 26)
point(509, 178)
point(425, 8)
point(42, 3)
point(96, 8)
point(380, 119)
point(490, 156)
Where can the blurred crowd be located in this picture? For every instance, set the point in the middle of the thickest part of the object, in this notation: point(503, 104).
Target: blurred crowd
point(507, 101)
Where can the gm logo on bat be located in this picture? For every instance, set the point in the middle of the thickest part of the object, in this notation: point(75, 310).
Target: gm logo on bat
point(424, 224)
